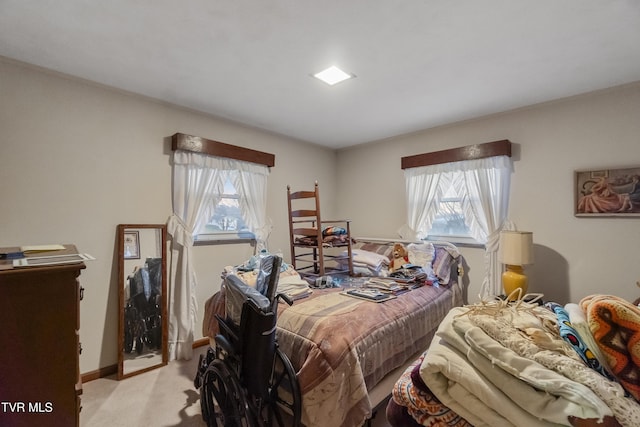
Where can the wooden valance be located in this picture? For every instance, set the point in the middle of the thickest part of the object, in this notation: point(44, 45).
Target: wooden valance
point(196, 144)
point(470, 152)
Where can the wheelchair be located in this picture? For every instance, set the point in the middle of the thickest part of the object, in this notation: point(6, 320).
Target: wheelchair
point(142, 312)
point(246, 380)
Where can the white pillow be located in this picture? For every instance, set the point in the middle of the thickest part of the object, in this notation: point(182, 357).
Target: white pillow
point(421, 254)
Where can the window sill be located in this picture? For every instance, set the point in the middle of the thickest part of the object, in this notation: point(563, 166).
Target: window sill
point(211, 240)
point(460, 241)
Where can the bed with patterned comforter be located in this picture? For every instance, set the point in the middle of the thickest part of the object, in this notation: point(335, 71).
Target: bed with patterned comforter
point(341, 346)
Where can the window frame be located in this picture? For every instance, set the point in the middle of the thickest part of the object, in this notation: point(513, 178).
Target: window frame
point(469, 152)
point(196, 144)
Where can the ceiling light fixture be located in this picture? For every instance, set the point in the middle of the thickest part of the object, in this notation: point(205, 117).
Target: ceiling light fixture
point(333, 75)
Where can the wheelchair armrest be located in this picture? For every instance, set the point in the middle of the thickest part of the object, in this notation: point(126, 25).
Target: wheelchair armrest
point(224, 344)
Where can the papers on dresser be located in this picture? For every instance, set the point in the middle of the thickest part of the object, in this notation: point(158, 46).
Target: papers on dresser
point(40, 248)
point(52, 260)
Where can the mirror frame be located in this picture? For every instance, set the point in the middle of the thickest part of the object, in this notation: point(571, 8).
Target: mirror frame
point(122, 300)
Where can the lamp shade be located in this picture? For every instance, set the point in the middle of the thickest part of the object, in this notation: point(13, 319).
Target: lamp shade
point(516, 247)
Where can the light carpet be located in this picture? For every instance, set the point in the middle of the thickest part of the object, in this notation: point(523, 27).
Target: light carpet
point(163, 397)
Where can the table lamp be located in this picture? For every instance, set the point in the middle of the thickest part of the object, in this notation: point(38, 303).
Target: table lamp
point(516, 250)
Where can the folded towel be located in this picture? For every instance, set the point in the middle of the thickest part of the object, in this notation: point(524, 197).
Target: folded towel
point(367, 258)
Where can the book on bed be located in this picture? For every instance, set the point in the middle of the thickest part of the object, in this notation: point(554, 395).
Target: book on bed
point(369, 294)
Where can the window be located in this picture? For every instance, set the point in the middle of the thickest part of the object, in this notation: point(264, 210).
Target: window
point(472, 181)
point(226, 221)
point(449, 219)
point(446, 197)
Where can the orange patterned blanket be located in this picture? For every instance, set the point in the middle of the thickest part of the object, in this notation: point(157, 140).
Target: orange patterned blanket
point(615, 324)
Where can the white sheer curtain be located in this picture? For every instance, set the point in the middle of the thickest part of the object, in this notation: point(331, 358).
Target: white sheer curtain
point(483, 186)
point(250, 180)
point(423, 194)
point(197, 180)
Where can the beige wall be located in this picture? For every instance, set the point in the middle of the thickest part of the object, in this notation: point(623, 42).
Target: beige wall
point(575, 257)
point(76, 159)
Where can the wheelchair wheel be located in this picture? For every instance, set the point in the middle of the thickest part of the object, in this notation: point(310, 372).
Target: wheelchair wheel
point(284, 393)
point(222, 399)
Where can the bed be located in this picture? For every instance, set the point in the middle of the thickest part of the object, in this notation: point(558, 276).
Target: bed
point(348, 351)
point(522, 364)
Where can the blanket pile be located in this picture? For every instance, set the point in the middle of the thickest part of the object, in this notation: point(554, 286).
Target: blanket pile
point(505, 364)
point(411, 392)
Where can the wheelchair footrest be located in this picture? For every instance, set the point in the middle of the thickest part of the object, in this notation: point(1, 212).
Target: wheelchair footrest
point(203, 364)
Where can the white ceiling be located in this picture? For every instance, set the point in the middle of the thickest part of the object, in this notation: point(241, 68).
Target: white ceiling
point(419, 63)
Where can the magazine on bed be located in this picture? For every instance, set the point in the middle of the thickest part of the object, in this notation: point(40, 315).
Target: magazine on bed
point(374, 295)
point(409, 273)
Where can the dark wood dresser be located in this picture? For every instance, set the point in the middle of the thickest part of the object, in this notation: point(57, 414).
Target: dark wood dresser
point(39, 338)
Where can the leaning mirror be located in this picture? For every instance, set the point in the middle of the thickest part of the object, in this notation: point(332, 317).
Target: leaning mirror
point(142, 286)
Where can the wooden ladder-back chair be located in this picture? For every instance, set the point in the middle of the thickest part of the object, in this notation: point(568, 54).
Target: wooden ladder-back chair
point(309, 251)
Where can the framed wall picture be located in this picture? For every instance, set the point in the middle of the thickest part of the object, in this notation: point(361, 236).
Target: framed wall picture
point(132, 244)
point(607, 192)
